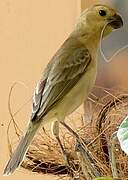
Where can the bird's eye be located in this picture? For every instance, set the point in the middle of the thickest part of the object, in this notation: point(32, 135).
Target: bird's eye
point(102, 13)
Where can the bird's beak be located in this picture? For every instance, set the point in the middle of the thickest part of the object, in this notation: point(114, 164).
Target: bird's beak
point(115, 21)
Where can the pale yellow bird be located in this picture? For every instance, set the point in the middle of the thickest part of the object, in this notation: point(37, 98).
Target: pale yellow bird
point(69, 76)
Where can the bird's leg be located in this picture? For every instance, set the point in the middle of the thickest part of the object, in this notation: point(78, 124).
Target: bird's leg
point(55, 130)
point(70, 129)
point(85, 154)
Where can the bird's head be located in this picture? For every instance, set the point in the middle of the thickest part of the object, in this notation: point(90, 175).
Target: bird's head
point(100, 17)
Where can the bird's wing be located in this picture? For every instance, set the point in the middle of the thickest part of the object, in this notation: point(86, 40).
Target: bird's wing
point(68, 66)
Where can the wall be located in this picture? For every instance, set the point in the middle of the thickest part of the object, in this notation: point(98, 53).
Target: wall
point(30, 33)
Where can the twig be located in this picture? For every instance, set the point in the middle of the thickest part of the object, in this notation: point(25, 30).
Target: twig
point(112, 157)
point(12, 116)
point(87, 163)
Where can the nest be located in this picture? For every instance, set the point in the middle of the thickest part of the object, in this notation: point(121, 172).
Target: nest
point(45, 156)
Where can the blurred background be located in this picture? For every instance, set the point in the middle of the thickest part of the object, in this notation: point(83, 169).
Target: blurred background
point(30, 33)
point(114, 74)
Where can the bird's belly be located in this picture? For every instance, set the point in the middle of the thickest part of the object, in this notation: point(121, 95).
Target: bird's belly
point(77, 95)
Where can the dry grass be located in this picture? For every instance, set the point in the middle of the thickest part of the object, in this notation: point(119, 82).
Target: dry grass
point(44, 154)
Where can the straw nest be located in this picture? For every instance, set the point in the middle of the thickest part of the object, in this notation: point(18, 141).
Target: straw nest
point(103, 117)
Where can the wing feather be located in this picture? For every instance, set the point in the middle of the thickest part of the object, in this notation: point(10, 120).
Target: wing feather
point(70, 64)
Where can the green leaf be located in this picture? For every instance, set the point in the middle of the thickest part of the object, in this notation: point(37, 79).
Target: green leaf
point(122, 135)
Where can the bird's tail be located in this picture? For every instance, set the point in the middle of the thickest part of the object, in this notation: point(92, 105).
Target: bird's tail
point(18, 155)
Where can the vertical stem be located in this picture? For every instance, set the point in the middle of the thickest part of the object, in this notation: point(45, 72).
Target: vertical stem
point(112, 155)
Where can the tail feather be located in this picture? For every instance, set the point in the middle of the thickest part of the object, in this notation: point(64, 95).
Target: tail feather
point(19, 153)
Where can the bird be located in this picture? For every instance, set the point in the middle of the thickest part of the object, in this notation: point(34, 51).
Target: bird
point(68, 78)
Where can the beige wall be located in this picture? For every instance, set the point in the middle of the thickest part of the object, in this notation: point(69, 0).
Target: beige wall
point(87, 3)
point(30, 33)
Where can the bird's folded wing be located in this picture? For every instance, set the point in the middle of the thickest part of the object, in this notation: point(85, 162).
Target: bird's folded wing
point(62, 74)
